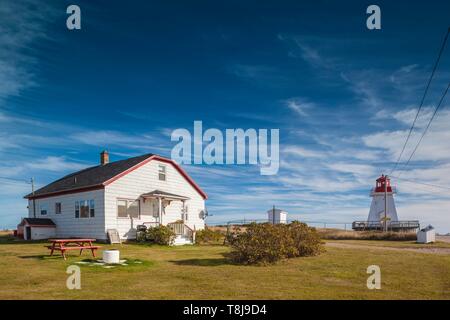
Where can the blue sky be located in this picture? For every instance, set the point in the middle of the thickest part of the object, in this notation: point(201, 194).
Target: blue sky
point(342, 96)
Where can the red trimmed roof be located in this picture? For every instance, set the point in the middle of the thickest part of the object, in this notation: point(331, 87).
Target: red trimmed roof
point(98, 177)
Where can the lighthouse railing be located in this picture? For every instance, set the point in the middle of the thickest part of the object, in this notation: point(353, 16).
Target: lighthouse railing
point(391, 226)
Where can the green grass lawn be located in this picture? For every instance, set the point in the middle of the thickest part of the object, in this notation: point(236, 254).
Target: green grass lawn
point(202, 272)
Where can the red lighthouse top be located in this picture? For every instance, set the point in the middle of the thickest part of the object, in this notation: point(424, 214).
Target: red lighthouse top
point(381, 182)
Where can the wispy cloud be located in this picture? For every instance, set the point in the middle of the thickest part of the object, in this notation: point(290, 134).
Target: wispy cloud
point(23, 24)
point(301, 47)
point(57, 164)
point(434, 146)
point(299, 106)
point(258, 74)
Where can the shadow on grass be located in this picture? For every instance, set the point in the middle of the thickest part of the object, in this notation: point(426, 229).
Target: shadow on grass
point(41, 257)
point(10, 239)
point(203, 262)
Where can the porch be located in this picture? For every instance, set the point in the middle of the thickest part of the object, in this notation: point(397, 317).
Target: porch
point(176, 219)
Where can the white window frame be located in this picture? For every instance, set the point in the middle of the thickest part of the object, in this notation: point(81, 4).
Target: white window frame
point(43, 207)
point(162, 171)
point(127, 205)
point(56, 207)
point(186, 213)
point(90, 205)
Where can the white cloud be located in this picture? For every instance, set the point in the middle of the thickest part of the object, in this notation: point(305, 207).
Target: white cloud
point(301, 48)
point(362, 170)
point(261, 74)
point(434, 146)
point(303, 152)
point(58, 164)
point(299, 106)
point(23, 24)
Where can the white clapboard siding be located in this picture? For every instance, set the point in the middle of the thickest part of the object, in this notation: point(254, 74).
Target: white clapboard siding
point(66, 223)
point(143, 180)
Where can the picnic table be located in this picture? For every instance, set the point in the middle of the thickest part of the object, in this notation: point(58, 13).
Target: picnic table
point(64, 245)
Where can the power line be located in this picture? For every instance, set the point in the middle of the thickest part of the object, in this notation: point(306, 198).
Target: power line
point(17, 180)
point(422, 101)
point(426, 129)
point(422, 183)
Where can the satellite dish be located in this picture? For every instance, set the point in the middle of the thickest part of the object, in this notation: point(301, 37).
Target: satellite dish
point(204, 213)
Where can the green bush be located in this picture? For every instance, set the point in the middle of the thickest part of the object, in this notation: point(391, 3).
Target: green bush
point(160, 235)
point(209, 236)
point(269, 243)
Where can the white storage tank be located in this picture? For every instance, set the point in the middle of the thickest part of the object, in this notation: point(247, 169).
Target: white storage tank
point(426, 235)
point(277, 216)
point(111, 256)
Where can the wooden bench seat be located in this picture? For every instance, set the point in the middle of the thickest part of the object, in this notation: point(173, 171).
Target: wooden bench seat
point(74, 247)
point(72, 244)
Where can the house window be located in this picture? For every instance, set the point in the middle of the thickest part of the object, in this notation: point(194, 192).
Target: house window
point(85, 209)
point(92, 208)
point(43, 210)
point(122, 208)
point(128, 208)
point(77, 209)
point(162, 172)
point(133, 209)
point(185, 215)
point(58, 208)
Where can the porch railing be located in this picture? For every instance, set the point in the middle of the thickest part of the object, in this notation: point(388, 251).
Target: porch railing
point(181, 229)
point(391, 225)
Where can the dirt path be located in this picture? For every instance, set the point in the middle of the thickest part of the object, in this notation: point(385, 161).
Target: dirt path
point(362, 246)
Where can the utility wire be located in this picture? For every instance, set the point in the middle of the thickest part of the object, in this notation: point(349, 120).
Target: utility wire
point(17, 180)
point(426, 129)
point(422, 183)
point(422, 101)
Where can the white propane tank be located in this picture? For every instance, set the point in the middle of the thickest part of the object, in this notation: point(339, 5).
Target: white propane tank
point(111, 256)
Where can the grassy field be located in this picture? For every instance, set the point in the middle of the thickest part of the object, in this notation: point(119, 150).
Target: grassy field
point(202, 272)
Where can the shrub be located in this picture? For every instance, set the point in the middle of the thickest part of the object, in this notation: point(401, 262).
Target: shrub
point(306, 239)
point(269, 243)
point(335, 234)
point(210, 236)
point(160, 235)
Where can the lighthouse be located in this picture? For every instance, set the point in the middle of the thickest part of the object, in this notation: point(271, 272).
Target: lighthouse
point(382, 210)
point(383, 214)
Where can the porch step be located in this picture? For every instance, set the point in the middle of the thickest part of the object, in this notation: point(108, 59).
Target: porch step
point(181, 241)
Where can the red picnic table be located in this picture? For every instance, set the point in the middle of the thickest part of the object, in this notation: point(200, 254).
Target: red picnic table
point(64, 245)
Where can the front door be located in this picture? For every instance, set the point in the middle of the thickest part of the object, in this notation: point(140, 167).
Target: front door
point(28, 233)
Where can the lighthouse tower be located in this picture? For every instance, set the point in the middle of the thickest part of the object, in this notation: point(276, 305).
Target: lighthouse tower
point(382, 203)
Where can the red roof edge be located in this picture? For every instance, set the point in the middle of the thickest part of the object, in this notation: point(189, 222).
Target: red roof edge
point(162, 159)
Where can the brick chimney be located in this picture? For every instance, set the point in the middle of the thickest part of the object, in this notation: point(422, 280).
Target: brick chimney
point(104, 157)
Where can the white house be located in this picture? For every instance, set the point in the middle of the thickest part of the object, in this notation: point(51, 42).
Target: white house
point(147, 189)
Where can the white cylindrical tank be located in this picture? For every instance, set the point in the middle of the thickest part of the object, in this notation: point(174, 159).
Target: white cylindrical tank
point(111, 256)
